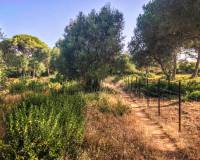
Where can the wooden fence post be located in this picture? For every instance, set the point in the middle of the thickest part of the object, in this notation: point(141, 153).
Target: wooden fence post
point(159, 97)
point(179, 92)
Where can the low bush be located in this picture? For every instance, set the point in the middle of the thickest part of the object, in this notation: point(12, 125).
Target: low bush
point(18, 87)
point(6, 152)
point(57, 79)
point(120, 109)
point(168, 90)
point(194, 96)
point(72, 87)
point(46, 127)
point(37, 86)
point(192, 86)
point(109, 104)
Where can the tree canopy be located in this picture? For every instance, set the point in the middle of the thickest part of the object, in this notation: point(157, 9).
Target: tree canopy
point(91, 43)
point(25, 53)
point(163, 28)
point(1, 34)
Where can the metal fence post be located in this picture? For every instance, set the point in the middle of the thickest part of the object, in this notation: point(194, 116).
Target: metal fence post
point(131, 84)
point(139, 88)
point(128, 84)
point(147, 91)
point(159, 97)
point(179, 106)
point(136, 86)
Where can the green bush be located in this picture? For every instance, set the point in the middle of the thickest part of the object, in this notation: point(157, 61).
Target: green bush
point(18, 87)
point(117, 109)
point(72, 87)
point(166, 89)
point(186, 67)
point(46, 128)
point(58, 78)
point(6, 152)
point(35, 99)
point(37, 86)
point(194, 96)
point(192, 86)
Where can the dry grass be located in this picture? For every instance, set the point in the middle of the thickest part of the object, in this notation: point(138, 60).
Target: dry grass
point(189, 139)
point(110, 137)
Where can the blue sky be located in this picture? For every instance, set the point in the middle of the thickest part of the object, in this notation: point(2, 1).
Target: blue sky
point(47, 19)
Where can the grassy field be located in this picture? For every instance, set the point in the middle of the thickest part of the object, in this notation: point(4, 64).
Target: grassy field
point(43, 118)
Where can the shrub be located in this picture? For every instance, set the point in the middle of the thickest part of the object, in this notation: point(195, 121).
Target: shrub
point(55, 86)
point(6, 152)
point(46, 129)
point(194, 96)
point(18, 87)
point(120, 109)
point(111, 105)
point(35, 99)
point(72, 87)
point(186, 67)
point(37, 86)
point(167, 89)
point(58, 78)
point(192, 86)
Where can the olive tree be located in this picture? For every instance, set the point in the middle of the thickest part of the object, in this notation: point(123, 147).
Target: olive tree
point(90, 45)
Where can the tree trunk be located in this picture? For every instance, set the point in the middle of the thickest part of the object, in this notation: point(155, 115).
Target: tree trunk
point(195, 74)
point(165, 72)
point(48, 71)
point(147, 70)
point(174, 67)
point(34, 71)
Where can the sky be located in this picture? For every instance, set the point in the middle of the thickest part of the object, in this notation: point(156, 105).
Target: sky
point(46, 19)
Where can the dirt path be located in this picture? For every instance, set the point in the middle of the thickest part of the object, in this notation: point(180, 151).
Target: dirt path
point(153, 132)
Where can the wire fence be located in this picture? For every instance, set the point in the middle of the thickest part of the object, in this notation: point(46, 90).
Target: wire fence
point(151, 88)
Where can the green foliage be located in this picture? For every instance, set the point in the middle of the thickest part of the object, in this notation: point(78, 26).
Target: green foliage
point(6, 152)
point(54, 61)
point(37, 86)
point(35, 99)
point(59, 78)
point(1, 34)
point(22, 85)
point(72, 87)
point(194, 96)
point(46, 127)
point(90, 45)
point(168, 90)
point(186, 67)
point(123, 65)
point(161, 32)
point(117, 109)
point(18, 87)
point(192, 86)
point(25, 53)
